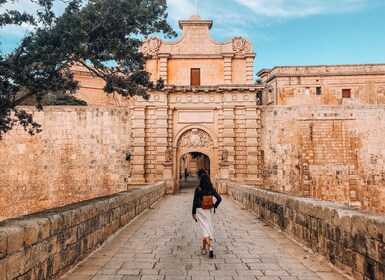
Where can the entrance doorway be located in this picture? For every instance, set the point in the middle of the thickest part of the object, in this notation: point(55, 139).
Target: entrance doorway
point(191, 166)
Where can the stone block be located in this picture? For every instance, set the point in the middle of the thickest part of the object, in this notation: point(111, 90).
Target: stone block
point(15, 241)
point(54, 264)
point(376, 228)
point(31, 229)
point(71, 235)
point(41, 252)
point(3, 268)
point(3, 244)
point(40, 272)
point(372, 249)
point(17, 265)
point(359, 224)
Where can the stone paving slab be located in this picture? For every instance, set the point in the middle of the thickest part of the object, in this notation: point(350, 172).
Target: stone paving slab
point(163, 243)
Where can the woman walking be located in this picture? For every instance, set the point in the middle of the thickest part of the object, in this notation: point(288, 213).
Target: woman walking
point(202, 211)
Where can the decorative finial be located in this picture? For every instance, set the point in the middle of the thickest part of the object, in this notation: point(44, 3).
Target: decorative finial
point(196, 7)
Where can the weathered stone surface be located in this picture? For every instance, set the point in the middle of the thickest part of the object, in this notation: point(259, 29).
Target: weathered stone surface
point(324, 149)
point(3, 244)
point(297, 85)
point(79, 155)
point(45, 245)
point(15, 238)
point(3, 268)
point(344, 238)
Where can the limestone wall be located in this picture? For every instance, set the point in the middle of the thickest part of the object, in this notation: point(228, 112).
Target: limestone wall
point(353, 241)
point(48, 244)
point(327, 152)
point(79, 155)
point(315, 85)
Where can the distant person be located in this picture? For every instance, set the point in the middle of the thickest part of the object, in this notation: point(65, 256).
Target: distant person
point(201, 172)
point(202, 211)
point(185, 174)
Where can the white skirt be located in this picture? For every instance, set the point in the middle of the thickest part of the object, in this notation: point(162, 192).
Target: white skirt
point(204, 217)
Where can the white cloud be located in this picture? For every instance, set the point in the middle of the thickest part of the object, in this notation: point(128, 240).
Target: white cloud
point(301, 8)
point(31, 7)
point(180, 9)
point(242, 17)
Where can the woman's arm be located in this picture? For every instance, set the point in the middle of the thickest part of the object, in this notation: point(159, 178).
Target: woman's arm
point(195, 202)
point(218, 198)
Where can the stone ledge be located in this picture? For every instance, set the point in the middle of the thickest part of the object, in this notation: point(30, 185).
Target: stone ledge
point(47, 244)
point(352, 240)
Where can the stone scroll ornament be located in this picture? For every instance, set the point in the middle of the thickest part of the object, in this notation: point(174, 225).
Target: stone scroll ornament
point(195, 138)
point(151, 46)
point(241, 45)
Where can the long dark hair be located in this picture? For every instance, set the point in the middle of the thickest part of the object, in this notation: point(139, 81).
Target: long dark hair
point(205, 183)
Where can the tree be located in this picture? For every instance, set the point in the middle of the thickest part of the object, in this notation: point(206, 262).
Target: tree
point(102, 35)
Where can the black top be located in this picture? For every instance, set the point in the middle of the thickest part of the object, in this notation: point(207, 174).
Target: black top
point(198, 196)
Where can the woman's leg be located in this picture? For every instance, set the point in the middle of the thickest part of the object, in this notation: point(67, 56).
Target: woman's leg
point(208, 242)
point(204, 243)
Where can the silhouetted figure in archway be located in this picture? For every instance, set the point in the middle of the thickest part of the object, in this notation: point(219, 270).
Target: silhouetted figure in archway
point(185, 174)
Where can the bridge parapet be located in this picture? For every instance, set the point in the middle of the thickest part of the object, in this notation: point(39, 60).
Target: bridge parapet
point(47, 244)
point(352, 240)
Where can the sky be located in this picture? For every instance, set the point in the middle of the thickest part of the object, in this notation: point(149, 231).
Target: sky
point(283, 32)
point(296, 32)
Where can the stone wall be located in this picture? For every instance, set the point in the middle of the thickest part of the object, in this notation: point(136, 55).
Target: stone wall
point(80, 154)
point(352, 240)
point(326, 152)
point(323, 84)
point(45, 245)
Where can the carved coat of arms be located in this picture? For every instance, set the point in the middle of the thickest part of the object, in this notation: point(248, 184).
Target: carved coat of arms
point(195, 138)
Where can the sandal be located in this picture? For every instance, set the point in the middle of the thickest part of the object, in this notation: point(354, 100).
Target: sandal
point(203, 250)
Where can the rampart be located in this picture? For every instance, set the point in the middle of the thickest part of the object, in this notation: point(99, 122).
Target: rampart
point(79, 155)
point(334, 153)
point(352, 240)
point(47, 244)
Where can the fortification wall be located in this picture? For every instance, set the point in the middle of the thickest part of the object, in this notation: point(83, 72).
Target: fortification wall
point(326, 152)
point(352, 240)
point(47, 244)
point(79, 155)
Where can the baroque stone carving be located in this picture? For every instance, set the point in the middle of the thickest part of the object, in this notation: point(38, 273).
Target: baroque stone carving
point(225, 155)
point(241, 45)
point(195, 138)
point(151, 45)
point(168, 155)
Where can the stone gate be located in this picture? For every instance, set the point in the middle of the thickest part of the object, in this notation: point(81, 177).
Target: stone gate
point(209, 95)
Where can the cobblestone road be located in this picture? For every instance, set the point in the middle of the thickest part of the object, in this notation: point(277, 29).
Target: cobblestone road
point(163, 243)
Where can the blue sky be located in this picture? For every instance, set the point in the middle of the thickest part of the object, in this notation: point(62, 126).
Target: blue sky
point(283, 32)
point(296, 32)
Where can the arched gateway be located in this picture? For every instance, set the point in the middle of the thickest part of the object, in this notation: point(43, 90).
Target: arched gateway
point(196, 139)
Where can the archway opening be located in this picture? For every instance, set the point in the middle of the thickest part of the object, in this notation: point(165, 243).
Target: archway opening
point(191, 166)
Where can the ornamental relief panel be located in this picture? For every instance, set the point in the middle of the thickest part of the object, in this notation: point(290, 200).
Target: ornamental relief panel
point(241, 45)
point(196, 138)
point(151, 46)
point(193, 98)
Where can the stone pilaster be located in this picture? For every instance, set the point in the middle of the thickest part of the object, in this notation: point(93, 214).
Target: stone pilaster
point(161, 134)
point(138, 146)
point(228, 136)
point(227, 67)
point(168, 177)
point(250, 68)
point(251, 146)
point(224, 177)
point(163, 66)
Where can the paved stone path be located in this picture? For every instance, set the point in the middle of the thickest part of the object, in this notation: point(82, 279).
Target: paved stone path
point(163, 243)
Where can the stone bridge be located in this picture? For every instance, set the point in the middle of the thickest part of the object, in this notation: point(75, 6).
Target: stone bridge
point(143, 234)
